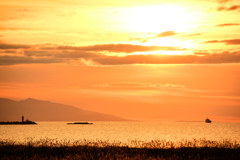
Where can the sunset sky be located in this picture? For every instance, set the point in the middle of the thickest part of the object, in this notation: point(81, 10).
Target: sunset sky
point(138, 59)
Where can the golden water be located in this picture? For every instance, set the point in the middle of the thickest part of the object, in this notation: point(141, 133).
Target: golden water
point(123, 131)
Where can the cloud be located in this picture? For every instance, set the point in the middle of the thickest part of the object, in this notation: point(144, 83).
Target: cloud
point(201, 53)
point(227, 42)
point(13, 60)
point(7, 51)
point(227, 24)
point(14, 46)
point(191, 34)
point(166, 34)
point(158, 35)
point(231, 8)
point(198, 58)
point(234, 7)
point(141, 40)
point(61, 54)
point(223, 1)
point(135, 85)
point(12, 54)
point(126, 48)
point(226, 57)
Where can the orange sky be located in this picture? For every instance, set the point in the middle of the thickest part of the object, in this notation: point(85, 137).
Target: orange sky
point(148, 60)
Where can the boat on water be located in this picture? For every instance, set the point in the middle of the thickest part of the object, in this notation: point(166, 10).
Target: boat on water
point(208, 120)
point(23, 122)
point(80, 123)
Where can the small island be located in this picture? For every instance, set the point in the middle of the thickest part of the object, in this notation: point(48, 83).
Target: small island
point(80, 123)
point(23, 122)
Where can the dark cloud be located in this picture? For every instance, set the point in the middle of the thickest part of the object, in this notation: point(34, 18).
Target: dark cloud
point(127, 48)
point(232, 42)
point(234, 7)
point(61, 54)
point(76, 55)
point(13, 46)
point(7, 51)
point(197, 58)
point(14, 60)
point(225, 57)
point(231, 8)
point(65, 54)
point(227, 24)
point(38, 53)
point(227, 42)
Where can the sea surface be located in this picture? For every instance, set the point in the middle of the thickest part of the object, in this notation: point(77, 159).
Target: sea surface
point(122, 131)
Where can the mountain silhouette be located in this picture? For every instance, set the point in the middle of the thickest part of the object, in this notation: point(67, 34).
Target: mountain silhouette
point(38, 110)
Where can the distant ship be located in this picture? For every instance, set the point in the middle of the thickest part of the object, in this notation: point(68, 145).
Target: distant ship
point(80, 123)
point(208, 120)
point(23, 122)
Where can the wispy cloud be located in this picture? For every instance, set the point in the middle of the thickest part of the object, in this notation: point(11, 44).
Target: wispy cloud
point(164, 34)
point(190, 34)
point(227, 24)
point(227, 42)
point(135, 85)
point(231, 8)
point(223, 1)
point(155, 35)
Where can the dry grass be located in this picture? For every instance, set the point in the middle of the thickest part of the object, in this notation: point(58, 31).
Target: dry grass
point(54, 149)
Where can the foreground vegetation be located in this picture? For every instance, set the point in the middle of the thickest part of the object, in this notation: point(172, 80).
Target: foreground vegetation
point(45, 149)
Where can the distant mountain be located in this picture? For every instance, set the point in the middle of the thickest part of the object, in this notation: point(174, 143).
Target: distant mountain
point(38, 110)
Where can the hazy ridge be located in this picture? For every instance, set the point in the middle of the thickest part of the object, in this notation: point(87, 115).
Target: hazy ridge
point(38, 110)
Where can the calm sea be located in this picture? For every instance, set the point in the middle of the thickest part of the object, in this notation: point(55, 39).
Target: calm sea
point(123, 131)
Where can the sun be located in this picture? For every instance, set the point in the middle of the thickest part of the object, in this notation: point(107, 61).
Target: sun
point(158, 18)
point(152, 20)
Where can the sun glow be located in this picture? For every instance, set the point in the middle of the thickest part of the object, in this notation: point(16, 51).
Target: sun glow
point(183, 46)
point(151, 21)
point(158, 18)
point(160, 53)
point(168, 41)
